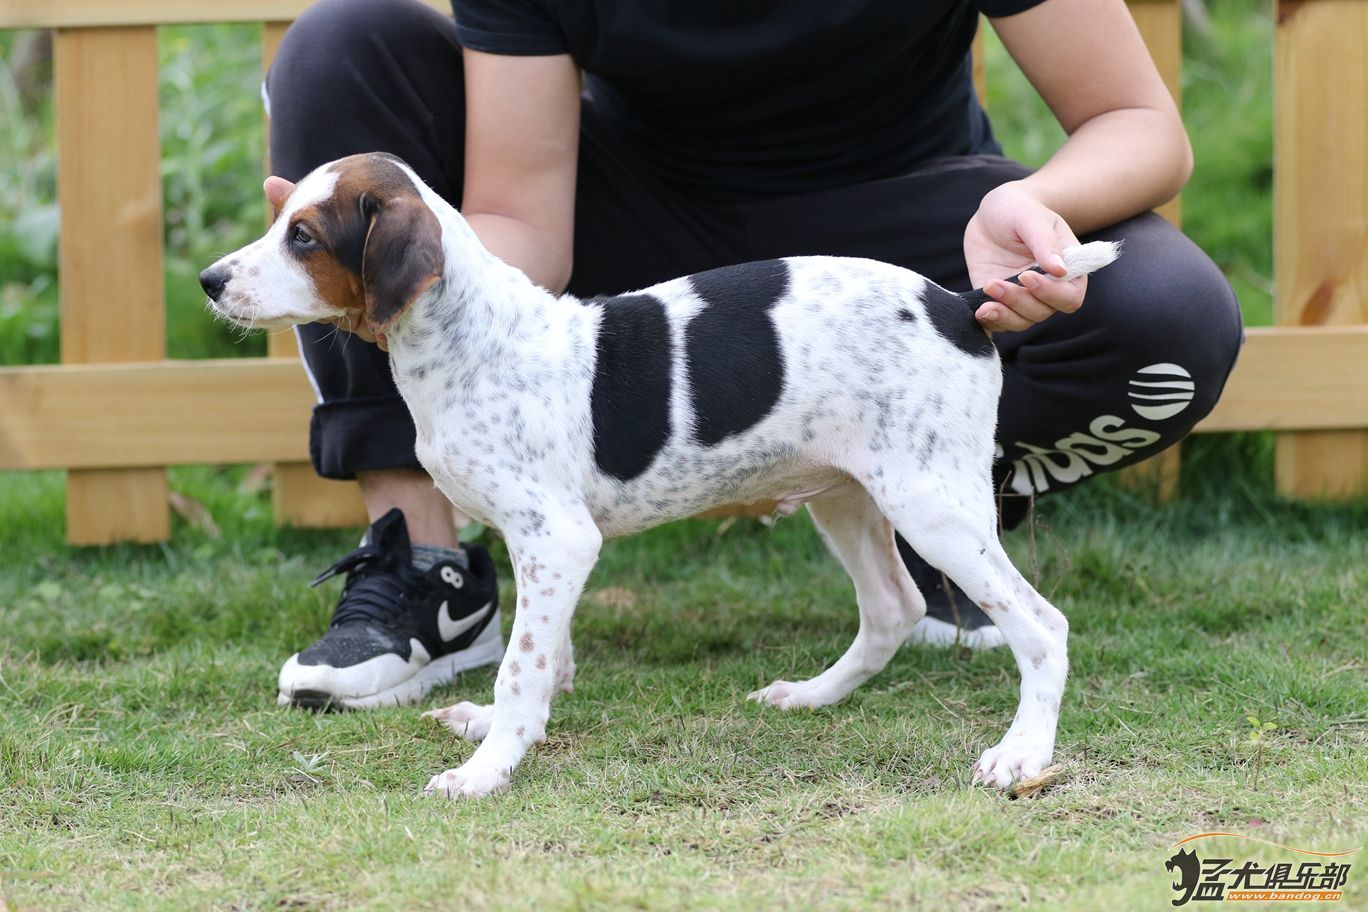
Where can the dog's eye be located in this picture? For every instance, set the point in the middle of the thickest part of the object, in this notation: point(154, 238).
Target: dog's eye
point(301, 236)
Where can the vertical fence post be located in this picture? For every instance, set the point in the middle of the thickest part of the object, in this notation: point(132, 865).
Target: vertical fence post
point(1320, 205)
point(298, 496)
point(111, 283)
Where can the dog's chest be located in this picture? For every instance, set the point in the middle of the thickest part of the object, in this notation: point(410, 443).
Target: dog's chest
point(493, 414)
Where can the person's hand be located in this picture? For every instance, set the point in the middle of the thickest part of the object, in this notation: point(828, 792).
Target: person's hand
point(1012, 230)
point(278, 189)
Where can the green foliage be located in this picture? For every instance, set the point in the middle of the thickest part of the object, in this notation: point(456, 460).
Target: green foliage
point(1228, 107)
point(211, 127)
point(28, 224)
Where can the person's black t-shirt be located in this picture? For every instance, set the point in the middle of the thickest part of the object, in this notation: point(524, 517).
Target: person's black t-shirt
point(747, 98)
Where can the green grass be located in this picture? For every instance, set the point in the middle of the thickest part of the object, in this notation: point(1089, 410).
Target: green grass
point(145, 765)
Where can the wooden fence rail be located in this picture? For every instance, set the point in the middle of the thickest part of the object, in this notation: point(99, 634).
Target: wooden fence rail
point(116, 412)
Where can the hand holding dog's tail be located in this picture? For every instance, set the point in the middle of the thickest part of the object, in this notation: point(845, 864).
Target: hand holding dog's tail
point(1079, 261)
point(1090, 257)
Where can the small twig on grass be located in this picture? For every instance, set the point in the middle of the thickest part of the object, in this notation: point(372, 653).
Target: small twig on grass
point(952, 713)
point(1034, 785)
point(1341, 723)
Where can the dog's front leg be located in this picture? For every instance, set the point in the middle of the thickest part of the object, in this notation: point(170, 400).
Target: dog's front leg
point(552, 560)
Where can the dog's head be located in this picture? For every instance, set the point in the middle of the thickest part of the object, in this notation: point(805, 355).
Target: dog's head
point(353, 243)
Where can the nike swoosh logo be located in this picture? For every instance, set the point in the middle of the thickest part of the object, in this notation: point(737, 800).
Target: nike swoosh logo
point(450, 629)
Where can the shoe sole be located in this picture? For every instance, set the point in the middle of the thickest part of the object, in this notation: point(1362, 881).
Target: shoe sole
point(487, 650)
point(935, 632)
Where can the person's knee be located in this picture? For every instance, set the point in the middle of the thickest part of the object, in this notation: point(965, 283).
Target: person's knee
point(1178, 322)
point(332, 45)
point(359, 76)
point(1214, 333)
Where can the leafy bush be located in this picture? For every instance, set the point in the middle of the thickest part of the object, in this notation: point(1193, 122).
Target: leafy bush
point(212, 131)
point(212, 140)
point(28, 223)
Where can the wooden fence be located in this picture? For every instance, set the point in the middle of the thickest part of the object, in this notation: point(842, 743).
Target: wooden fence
point(116, 412)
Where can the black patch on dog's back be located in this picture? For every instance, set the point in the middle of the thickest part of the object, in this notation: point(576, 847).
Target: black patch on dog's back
point(953, 317)
point(630, 402)
point(736, 372)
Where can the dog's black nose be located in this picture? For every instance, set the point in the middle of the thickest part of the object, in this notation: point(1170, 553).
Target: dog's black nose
point(213, 280)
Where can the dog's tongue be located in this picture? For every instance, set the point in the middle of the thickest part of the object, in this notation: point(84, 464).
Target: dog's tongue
point(382, 342)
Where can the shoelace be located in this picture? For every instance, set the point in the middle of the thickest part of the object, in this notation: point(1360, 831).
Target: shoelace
point(374, 589)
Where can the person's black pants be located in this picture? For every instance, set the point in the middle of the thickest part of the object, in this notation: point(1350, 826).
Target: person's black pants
point(1124, 377)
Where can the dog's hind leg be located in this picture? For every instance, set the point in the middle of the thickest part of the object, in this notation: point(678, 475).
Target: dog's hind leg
point(890, 605)
point(957, 535)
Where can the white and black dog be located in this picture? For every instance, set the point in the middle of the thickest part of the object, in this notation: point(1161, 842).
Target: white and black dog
point(861, 389)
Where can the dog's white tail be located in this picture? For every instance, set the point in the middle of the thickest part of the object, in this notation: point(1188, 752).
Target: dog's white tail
point(1090, 257)
point(1079, 261)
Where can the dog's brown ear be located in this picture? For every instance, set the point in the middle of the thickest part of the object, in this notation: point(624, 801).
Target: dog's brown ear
point(403, 256)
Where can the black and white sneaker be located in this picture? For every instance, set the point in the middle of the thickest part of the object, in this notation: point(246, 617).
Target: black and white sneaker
point(951, 617)
point(397, 631)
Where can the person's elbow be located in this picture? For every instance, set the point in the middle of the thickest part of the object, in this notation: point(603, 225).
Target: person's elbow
point(543, 249)
point(559, 271)
point(1180, 159)
point(556, 263)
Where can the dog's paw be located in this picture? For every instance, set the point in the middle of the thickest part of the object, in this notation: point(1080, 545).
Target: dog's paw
point(789, 695)
point(468, 720)
point(469, 781)
point(1012, 759)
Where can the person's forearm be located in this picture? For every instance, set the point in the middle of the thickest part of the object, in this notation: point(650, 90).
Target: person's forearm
point(545, 260)
point(1116, 165)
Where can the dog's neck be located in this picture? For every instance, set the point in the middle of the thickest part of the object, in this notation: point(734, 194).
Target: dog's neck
point(482, 313)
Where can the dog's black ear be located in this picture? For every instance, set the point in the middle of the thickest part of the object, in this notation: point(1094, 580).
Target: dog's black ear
point(403, 256)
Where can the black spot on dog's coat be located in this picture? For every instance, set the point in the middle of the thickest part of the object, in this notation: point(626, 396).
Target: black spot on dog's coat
point(953, 317)
point(736, 371)
point(630, 401)
point(907, 316)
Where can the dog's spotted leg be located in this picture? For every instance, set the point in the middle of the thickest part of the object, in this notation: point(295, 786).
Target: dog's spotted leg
point(890, 605)
point(552, 564)
point(1039, 645)
point(958, 536)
